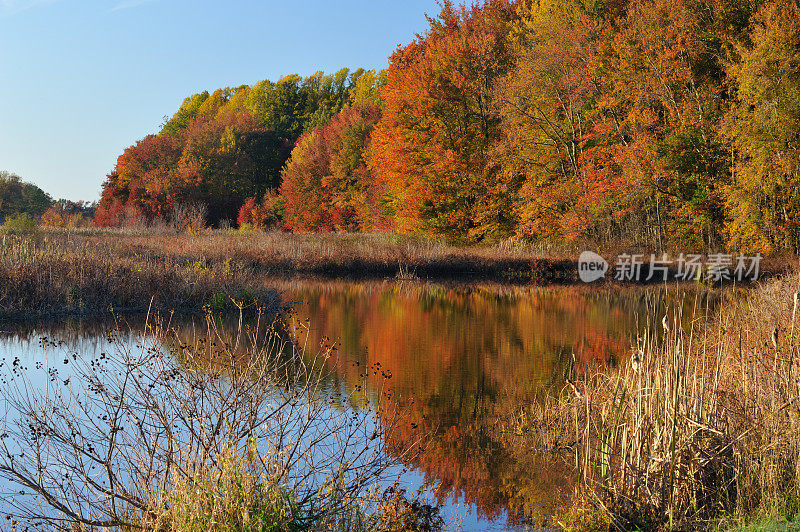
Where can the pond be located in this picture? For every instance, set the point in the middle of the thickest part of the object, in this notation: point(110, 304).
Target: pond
point(462, 362)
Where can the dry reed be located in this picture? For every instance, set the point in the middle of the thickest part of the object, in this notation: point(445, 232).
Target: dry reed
point(700, 425)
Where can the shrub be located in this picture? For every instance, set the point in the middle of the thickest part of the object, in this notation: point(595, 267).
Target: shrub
point(20, 224)
point(214, 432)
point(191, 218)
point(268, 214)
point(65, 213)
point(399, 513)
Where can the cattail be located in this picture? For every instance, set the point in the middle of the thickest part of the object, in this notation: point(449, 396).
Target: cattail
point(774, 339)
point(575, 389)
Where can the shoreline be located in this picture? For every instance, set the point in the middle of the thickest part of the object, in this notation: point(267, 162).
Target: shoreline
point(60, 273)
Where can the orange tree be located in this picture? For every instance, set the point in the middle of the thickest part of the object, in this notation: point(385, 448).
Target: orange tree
point(326, 183)
point(430, 151)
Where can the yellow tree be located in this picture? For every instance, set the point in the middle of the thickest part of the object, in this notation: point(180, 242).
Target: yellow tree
point(764, 126)
point(554, 140)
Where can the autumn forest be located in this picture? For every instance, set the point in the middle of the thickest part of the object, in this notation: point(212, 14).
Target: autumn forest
point(654, 122)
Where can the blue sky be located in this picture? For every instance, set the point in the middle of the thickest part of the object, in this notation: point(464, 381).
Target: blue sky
point(80, 80)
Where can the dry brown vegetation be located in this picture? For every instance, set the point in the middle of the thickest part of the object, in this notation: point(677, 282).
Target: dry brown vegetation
point(52, 273)
point(351, 255)
point(88, 270)
point(55, 271)
point(699, 428)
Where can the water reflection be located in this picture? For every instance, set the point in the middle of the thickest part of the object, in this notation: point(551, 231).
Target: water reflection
point(463, 362)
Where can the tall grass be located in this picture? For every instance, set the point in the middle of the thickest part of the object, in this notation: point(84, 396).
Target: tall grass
point(51, 273)
point(700, 426)
point(89, 270)
point(336, 254)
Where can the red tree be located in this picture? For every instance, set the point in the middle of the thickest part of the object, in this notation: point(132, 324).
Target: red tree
point(430, 151)
point(326, 183)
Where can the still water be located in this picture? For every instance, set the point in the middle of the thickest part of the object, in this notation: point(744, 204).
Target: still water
point(462, 363)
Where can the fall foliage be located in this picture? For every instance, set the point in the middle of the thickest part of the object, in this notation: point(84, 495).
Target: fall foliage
point(763, 127)
point(430, 151)
point(658, 123)
point(326, 184)
point(221, 149)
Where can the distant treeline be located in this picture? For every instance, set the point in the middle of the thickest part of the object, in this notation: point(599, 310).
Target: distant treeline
point(652, 122)
point(21, 199)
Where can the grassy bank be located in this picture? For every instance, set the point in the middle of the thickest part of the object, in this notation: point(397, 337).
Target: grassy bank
point(90, 270)
point(47, 272)
point(698, 429)
point(350, 255)
point(56, 273)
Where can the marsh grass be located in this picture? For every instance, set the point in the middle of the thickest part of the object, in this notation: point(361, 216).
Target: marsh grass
point(354, 255)
point(89, 270)
point(700, 425)
point(55, 273)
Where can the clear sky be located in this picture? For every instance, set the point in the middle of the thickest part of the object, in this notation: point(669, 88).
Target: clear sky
point(80, 80)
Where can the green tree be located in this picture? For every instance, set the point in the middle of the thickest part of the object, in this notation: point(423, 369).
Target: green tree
point(18, 197)
point(187, 111)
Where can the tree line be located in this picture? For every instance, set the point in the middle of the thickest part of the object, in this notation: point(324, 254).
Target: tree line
point(23, 201)
point(223, 149)
point(652, 122)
